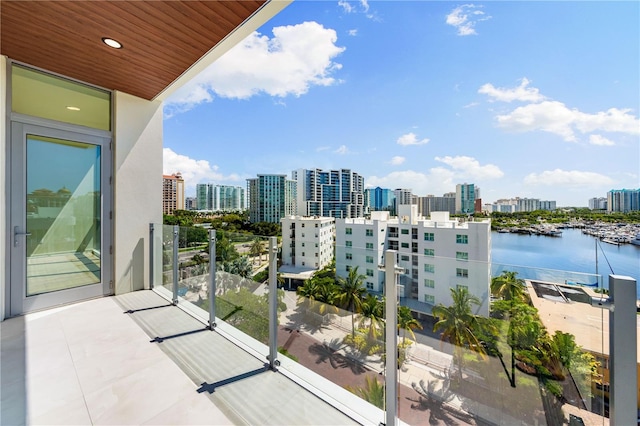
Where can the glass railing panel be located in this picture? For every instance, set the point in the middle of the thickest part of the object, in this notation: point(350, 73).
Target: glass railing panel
point(501, 344)
point(193, 262)
point(166, 279)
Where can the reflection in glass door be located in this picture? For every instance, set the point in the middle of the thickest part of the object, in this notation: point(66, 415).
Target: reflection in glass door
point(63, 214)
point(59, 196)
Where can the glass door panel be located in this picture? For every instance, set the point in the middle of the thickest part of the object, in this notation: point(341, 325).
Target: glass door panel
point(63, 209)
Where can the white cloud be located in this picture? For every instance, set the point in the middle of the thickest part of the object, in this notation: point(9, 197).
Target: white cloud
point(411, 139)
point(295, 59)
point(346, 6)
point(471, 105)
point(600, 140)
point(555, 117)
point(342, 150)
point(520, 93)
point(193, 171)
point(352, 33)
point(397, 160)
point(465, 17)
point(361, 5)
point(568, 178)
point(322, 148)
point(470, 167)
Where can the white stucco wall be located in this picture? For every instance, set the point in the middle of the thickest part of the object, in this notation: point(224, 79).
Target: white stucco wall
point(138, 187)
point(4, 279)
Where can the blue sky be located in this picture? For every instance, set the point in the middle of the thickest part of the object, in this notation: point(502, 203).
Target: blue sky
point(529, 99)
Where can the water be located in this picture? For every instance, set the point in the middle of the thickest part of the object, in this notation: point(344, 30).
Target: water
point(574, 251)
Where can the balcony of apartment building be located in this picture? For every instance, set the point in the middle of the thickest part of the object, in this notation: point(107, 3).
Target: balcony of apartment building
point(109, 319)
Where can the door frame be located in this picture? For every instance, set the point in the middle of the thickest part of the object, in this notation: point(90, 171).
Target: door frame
point(17, 302)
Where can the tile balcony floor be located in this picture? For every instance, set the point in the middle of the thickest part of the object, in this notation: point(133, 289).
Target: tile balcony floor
point(98, 362)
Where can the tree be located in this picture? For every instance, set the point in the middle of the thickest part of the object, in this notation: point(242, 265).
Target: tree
point(372, 392)
point(256, 249)
point(458, 324)
point(351, 293)
point(407, 322)
point(372, 310)
point(512, 289)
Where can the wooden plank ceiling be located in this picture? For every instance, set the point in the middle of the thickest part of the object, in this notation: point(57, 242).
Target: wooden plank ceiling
point(160, 39)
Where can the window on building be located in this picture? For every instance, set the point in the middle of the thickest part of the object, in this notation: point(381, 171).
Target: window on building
point(303, 253)
point(429, 268)
point(404, 231)
point(428, 236)
point(429, 252)
point(348, 243)
point(369, 246)
point(462, 255)
point(369, 259)
point(429, 283)
point(302, 244)
point(303, 225)
point(404, 258)
point(369, 272)
point(348, 231)
point(347, 268)
point(462, 239)
point(393, 245)
point(462, 273)
point(404, 245)
point(460, 287)
point(368, 232)
point(430, 299)
point(369, 285)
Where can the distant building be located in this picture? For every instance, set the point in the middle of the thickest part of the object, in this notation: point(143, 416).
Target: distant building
point(271, 197)
point(517, 204)
point(436, 254)
point(329, 193)
point(623, 200)
point(598, 203)
point(214, 198)
point(191, 203)
point(378, 199)
point(172, 193)
point(430, 203)
point(466, 195)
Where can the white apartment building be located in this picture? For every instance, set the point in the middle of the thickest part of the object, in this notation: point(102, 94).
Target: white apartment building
point(436, 253)
point(307, 242)
point(361, 242)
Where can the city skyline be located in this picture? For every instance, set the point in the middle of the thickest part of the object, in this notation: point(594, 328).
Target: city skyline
point(527, 99)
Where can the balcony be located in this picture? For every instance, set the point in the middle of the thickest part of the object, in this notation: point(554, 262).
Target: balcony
point(258, 355)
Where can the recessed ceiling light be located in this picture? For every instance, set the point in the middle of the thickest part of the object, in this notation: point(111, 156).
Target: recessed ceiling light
point(72, 108)
point(111, 43)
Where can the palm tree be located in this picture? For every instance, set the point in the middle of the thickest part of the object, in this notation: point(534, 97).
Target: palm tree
point(372, 392)
point(459, 324)
point(509, 287)
point(372, 310)
point(513, 289)
point(351, 293)
point(256, 249)
point(242, 266)
point(406, 321)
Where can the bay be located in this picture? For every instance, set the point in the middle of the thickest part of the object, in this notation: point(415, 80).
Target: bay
point(571, 257)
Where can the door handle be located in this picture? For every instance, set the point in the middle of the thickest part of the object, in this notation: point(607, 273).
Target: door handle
point(16, 234)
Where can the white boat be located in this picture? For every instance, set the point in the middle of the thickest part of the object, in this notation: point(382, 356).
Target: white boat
point(636, 240)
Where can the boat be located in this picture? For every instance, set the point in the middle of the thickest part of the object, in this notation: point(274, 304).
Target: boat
point(636, 240)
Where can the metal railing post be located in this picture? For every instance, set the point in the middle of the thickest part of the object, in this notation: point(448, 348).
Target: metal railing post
point(151, 256)
point(212, 279)
point(391, 340)
point(273, 303)
point(623, 341)
point(176, 239)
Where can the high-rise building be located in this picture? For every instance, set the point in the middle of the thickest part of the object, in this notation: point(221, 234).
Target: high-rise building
point(212, 197)
point(435, 254)
point(329, 193)
point(271, 197)
point(172, 193)
point(378, 199)
point(466, 195)
point(429, 204)
point(191, 203)
point(623, 200)
point(598, 203)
